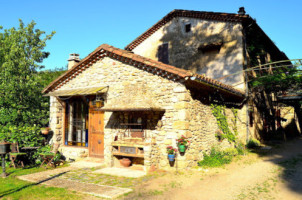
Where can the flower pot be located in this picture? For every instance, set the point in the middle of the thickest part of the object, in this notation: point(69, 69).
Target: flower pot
point(45, 131)
point(182, 148)
point(125, 162)
point(171, 157)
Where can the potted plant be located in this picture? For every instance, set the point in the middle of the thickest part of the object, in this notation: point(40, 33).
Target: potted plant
point(171, 153)
point(45, 130)
point(182, 143)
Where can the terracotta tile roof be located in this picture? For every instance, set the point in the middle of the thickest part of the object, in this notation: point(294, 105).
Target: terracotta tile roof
point(203, 79)
point(143, 63)
point(229, 17)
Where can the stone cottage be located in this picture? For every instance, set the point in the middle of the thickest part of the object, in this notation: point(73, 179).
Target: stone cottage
point(135, 102)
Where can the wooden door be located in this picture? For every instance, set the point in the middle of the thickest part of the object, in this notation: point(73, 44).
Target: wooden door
point(96, 133)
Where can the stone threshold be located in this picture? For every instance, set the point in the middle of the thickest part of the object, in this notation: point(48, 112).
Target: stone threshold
point(124, 172)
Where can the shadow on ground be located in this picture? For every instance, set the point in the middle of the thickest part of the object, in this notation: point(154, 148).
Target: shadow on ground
point(18, 189)
point(288, 156)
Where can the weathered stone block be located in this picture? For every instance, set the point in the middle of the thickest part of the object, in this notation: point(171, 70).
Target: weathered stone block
point(163, 163)
point(183, 115)
point(58, 126)
point(181, 105)
point(188, 134)
point(168, 142)
point(181, 125)
point(147, 148)
point(190, 156)
point(169, 114)
point(179, 89)
point(184, 97)
point(174, 99)
point(162, 133)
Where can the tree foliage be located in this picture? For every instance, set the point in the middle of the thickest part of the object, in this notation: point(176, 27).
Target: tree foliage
point(23, 109)
point(283, 78)
point(21, 55)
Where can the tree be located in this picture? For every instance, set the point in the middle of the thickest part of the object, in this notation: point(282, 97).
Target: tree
point(21, 55)
point(276, 79)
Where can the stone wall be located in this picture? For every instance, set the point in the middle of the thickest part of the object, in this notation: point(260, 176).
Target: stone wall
point(182, 116)
point(240, 123)
point(184, 53)
point(56, 120)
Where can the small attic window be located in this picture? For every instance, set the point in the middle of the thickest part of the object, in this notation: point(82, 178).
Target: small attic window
point(188, 27)
point(213, 47)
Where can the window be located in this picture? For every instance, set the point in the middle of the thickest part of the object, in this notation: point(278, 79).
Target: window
point(163, 53)
point(188, 27)
point(76, 123)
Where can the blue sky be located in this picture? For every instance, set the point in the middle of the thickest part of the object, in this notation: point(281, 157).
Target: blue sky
point(81, 26)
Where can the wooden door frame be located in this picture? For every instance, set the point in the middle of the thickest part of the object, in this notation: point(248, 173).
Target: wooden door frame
point(90, 134)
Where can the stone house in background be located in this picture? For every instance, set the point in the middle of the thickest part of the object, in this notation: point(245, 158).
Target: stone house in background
point(135, 102)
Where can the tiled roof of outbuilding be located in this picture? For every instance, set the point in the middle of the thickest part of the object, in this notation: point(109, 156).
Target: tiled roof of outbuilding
point(141, 62)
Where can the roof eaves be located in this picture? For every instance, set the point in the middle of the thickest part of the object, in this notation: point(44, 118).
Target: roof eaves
point(217, 84)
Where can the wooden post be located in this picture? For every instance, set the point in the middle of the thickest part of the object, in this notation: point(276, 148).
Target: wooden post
point(3, 175)
point(299, 116)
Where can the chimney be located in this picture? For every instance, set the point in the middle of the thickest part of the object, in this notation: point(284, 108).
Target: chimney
point(73, 59)
point(241, 11)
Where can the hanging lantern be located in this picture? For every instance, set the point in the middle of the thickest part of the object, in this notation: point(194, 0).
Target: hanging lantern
point(99, 100)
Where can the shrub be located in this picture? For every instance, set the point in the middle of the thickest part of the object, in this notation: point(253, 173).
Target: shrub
point(252, 143)
point(24, 135)
point(231, 152)
point(218, 158)
point(241, 148)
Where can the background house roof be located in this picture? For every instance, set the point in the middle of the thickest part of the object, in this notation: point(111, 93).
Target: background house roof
point(246, 21)
point(186, 13)
point(152, 66)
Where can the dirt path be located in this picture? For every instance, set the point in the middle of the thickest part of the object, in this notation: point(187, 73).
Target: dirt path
point(277, 175)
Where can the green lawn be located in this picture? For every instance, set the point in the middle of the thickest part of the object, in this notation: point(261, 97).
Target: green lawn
point(13, 188)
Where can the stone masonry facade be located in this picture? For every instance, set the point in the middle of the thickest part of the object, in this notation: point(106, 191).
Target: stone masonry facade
point(183, 48)
point(182, 116)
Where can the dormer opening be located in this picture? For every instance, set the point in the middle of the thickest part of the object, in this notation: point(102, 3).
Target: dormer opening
point(210, 48)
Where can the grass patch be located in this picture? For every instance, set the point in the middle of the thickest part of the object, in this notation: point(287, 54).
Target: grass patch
point(13, 188)
point(259, 191)
point(290, 166)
